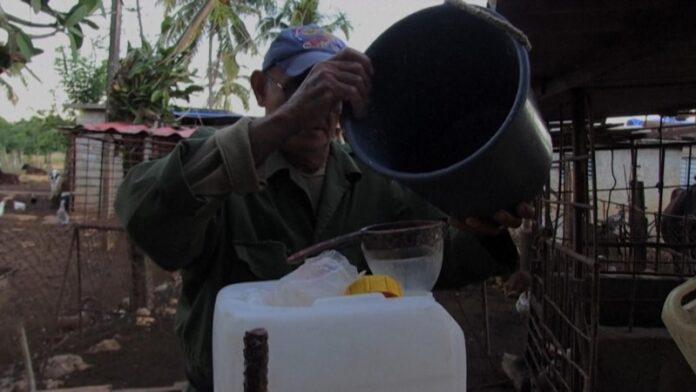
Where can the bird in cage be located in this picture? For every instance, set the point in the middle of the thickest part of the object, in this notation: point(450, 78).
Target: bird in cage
point(54, 180)
point(62, 213)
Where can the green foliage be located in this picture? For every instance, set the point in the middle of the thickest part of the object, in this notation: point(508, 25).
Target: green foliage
point(37, 135)
point(229, 86)
point(301, 12)
point(82, 78)
point(20, 35)
point(147, 80)
point(228, 35)
point(186, 21)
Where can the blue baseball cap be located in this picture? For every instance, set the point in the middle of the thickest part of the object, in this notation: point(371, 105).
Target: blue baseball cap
point(296, 49)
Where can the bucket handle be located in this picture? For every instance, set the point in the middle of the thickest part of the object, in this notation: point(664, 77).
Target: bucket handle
point(491, 18)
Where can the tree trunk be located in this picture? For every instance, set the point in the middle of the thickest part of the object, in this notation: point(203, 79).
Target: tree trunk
point(4, 162)
point(211, 71)
point(140, 22)
point(114, 49)
point(193, 29)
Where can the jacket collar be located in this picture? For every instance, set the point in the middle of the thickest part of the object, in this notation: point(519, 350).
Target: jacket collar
point(341, 156)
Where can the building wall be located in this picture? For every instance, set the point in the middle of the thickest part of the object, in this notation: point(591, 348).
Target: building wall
point(648, 171)
point(614, 172)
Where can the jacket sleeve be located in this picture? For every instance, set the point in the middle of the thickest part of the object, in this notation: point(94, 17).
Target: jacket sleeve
point(468, 258)
point(161, 211)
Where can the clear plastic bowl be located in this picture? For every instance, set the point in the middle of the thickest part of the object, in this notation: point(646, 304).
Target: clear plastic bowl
point(408, 251)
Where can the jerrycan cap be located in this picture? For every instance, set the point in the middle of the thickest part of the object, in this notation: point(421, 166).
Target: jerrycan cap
point(375, 284)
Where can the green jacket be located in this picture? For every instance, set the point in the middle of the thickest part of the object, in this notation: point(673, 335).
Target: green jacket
point(245, 236)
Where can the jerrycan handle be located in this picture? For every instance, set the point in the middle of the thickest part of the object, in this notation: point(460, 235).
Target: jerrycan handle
point(673, 309)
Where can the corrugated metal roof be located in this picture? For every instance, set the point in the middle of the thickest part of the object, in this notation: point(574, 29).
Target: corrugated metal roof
point(134, 129)
point(206, 117)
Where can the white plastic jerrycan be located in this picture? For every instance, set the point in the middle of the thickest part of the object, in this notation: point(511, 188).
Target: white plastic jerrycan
point(680, 320)
point(352, 343)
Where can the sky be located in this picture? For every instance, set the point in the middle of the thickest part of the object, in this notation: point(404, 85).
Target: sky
point(369, 18)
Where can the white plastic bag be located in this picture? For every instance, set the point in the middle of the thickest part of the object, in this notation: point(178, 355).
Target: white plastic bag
point(326, 275)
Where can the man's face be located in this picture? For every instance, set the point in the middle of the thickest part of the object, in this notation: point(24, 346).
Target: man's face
point(277, 89)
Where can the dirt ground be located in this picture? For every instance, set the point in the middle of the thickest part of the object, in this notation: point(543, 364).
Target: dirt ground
point(38, 281)
point(150, 357)
point(63, 311)
point(507, 331)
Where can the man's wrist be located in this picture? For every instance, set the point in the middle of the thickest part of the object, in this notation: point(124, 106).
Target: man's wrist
point(267, 133)
point(286, 120)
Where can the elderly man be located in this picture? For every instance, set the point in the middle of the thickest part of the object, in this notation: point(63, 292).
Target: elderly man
point(230, 206)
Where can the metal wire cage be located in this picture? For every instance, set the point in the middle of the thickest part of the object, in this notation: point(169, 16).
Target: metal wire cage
point(610, 245)
point(69, 286)
point(98, 163)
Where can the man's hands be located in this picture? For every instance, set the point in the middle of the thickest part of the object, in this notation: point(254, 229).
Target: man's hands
point(344, 77)
point(314, 106)
point(501, 220)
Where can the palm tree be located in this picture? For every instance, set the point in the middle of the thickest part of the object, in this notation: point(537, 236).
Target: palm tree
point(301, 12)
point(221, 21)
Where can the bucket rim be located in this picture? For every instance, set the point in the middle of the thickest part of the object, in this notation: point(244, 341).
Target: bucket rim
point(403, 226)
point(521, 98)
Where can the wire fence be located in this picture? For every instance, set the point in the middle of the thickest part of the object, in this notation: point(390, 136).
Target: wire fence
point(98, 164)
point(70, 285)
point(59, 281)
point(609, 248)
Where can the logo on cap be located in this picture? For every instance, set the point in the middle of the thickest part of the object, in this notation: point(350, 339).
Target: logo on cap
point(316, 38)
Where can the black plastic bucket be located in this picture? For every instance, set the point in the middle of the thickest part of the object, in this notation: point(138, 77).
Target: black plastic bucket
point(451, 114)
